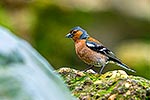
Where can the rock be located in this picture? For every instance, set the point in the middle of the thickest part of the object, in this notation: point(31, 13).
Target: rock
point(111, 85)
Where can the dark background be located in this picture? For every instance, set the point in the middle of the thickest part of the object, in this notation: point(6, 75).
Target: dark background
point(122, 25)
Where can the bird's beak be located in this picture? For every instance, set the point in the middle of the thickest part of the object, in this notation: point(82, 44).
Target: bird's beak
point(69, 35)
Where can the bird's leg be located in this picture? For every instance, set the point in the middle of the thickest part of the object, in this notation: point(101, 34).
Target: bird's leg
point(102, 69)
point(91, 66)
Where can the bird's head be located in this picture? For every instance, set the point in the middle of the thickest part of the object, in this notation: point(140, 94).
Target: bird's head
point(77, 33)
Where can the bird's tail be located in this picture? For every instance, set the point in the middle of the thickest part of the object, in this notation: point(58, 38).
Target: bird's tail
point(126, 67)
point(119, 63)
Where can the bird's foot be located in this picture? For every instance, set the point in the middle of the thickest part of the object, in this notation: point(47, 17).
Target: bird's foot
point(89, 67)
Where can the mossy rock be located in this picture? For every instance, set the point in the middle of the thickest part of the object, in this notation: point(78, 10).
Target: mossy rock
point(113, 85)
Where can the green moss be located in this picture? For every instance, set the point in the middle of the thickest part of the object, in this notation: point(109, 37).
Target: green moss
point(114, 84)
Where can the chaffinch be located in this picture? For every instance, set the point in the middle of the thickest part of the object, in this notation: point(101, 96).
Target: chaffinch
point(91, 51)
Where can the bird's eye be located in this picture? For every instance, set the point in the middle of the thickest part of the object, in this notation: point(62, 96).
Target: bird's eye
point(74, 31)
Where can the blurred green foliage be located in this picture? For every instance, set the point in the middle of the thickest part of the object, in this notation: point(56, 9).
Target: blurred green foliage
point(45, 23)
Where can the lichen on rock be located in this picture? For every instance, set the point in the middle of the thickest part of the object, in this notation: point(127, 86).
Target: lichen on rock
point(111, 85)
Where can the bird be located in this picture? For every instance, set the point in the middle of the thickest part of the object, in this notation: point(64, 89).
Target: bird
point(93, 52)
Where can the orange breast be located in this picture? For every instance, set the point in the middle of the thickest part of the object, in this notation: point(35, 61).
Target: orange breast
point(89, 56)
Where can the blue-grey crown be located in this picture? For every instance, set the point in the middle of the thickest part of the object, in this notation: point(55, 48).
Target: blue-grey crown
point(84, 33)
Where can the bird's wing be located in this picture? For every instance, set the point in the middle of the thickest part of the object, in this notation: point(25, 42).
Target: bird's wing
point(100, 49)
point(103, 50)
